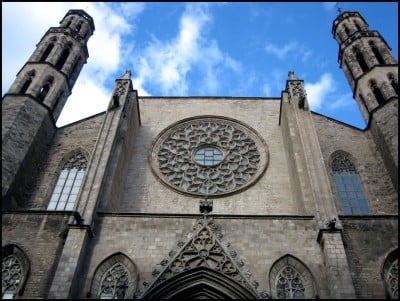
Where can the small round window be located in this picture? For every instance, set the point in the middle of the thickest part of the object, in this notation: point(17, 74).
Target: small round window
point(208, 156)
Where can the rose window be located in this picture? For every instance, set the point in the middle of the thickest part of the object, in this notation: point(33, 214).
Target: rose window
point(209, 156)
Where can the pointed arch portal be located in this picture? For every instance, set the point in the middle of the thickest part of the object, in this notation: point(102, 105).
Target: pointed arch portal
point(200, 283)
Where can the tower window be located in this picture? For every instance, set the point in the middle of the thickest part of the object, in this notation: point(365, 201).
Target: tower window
point(45, 89)
point(357, 26)
point(27, 82)
point(68, 184)
point(47, 52)
point(360, 60)
point(347, 30)
point(26, 85)
point(349, 187)
point(393, 82)
point(377, 53)
point(62, 59)
point(377, 92)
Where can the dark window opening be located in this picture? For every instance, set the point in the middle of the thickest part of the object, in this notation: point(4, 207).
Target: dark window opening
point(62, 59)
point(47, 52)
point(26, 85)
point(378, 55)
point(357, 26)
point(361, 61)
point(393, 83)
point(44, 90)
point(377, 93)
point(79, 27)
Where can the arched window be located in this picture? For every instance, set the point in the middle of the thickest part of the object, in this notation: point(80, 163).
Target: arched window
point(115, 278)
point(290, 279)
point(15, 268)
point(349, 187)
point(62, 59)
point(393, 82)
point(347, 30)
point(391, 274)
point(28, 81)
point(357, 26)
point(45, 89)
point(47, 52)
point(377, 92)
point(360, 59)
point(376, 53)
point(78, 28)
point(68, 184)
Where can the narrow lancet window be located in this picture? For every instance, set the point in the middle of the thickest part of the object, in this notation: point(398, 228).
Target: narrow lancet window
point(62, 59)
point(47, 52)
point(68, 184)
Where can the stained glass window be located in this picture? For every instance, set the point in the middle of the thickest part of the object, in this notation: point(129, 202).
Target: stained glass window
point(115, 283)
point(349, 187)
point(68, 184)
point(208, 156)
point(11, 276)
point(289, 284)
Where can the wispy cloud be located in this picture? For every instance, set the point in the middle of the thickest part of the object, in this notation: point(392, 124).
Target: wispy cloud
point(292, 49)
point(341, 101)
point(92, 90)
point(317, 92)
point(167, 63)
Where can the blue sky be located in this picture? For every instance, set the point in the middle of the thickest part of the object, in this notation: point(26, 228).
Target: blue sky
point(200, 49)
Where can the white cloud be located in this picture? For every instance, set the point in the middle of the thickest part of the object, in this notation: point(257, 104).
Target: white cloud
point(24, 24)
point(317, 92)
point(292, 49)
point(167, 63)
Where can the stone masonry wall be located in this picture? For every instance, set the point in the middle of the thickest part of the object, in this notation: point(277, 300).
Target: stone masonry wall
point(41, 237)
point(147, 240)
point(368, 241)
point(144, 192)
point(82, 136)
point(378, 188)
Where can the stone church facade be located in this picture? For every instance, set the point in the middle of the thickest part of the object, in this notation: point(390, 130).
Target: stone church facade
point(199, 197)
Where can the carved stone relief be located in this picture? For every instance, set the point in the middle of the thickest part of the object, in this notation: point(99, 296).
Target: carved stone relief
point(245, 156)
point(203, 249)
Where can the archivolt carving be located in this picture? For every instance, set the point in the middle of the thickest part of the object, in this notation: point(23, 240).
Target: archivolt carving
point(245, 156)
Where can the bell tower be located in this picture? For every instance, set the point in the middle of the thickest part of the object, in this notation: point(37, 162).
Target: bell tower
point(35, 100)
point(372, 72)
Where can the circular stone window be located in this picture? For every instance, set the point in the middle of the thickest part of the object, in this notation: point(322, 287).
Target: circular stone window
point(208, 156)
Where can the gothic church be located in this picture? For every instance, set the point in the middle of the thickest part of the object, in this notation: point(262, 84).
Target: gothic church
point(199, 197)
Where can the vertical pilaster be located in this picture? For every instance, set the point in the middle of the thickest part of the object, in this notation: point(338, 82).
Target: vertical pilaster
point(339, 278)
point(122, 107)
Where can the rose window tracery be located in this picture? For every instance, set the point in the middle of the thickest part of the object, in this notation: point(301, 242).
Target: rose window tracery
point(290, 284)
point(209, 156)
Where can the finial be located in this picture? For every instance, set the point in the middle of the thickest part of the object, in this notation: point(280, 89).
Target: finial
point(127, 75)
point(339, 10)
point(292, 76)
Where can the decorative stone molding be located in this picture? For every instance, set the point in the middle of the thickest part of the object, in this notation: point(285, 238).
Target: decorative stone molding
point(203, 249)
point(243, 156)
